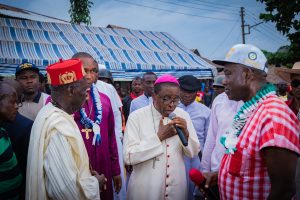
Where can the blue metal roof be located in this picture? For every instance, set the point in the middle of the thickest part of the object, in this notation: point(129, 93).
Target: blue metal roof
point(127, 53)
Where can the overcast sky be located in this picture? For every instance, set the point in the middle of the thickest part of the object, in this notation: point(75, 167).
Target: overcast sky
point(211, 26)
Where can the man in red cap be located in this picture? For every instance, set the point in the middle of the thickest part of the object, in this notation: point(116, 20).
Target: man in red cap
point(58, 163)
point(153, 148)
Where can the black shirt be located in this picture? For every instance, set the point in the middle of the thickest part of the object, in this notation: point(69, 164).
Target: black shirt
point(19, 134)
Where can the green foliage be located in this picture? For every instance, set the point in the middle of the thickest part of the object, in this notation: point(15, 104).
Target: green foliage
point(279, 58)
point(285, 13)
point(79, 11)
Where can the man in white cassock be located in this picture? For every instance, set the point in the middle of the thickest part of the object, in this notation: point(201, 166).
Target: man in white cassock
point(153, 148)
point(58, 164)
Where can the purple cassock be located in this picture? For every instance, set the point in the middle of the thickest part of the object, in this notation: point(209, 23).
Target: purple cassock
point(104, 157)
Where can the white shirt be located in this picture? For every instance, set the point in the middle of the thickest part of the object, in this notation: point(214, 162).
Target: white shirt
point(30, 109)
point(222, 113)
point(140, 102)
point(116, 104)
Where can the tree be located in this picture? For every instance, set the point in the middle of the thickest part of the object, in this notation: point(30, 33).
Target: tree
point(79, 11)
point(281, 57)
point(285, 14)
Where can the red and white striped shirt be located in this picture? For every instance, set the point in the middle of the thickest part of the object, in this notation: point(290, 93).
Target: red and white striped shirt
point(244, 175)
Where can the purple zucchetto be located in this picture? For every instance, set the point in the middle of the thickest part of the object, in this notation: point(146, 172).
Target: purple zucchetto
point(166, 79)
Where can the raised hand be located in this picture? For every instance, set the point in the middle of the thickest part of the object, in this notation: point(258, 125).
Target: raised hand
point(181, 123)
point(166, 131)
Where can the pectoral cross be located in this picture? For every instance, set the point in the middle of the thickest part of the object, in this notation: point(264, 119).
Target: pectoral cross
point(154, 160)
point(86, 131)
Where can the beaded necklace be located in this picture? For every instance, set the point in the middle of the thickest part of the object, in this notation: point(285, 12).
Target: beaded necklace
point(87, 122)
point(230, 139)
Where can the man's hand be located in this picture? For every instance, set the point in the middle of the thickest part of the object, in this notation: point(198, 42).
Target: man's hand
point(211, 179)
point(281, 166)
point(101, 179)
point(117, 183)
point(181, 123)
point(129, 168)
point(166, 131)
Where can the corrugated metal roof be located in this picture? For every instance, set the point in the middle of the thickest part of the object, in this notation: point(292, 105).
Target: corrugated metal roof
point(127, 53)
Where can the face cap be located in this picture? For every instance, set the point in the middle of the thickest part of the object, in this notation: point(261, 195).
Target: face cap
point(218, 81)
point(26, 66)
point(246, 54)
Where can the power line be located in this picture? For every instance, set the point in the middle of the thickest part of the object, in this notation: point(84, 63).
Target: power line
point(271, 32)
point(198, 8)
point(256, 18)
point(268, 36)
point(226, 37)
point(238, 38)
point(172, 11)
point(275, 33)
point(43, 15)
point(213, 5)
point(219, 4)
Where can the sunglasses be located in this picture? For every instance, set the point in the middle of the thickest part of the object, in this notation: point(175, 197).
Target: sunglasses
point(295, 83)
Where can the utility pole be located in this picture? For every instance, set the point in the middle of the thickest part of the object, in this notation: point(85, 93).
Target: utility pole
point(242, 13)
point(243, 23)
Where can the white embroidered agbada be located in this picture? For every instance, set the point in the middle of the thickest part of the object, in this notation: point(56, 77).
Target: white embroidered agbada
point(58, 164)
point(158, 166)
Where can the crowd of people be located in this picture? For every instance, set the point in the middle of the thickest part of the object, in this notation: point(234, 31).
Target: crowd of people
point(79, 139)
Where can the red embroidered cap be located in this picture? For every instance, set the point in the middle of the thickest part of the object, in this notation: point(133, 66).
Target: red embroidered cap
point(65, 72)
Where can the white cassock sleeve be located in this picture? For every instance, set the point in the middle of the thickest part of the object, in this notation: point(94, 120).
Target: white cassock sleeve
point(139, 146)
point(193, 147)
point(116, 104)
point(61, 173)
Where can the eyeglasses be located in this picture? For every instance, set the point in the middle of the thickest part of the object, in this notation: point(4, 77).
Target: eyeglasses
point(168, 100)
point(295, 83)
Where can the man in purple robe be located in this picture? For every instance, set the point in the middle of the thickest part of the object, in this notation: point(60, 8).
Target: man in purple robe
point(103, 153)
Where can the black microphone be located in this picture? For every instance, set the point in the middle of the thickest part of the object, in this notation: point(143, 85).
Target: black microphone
point(179, 131)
